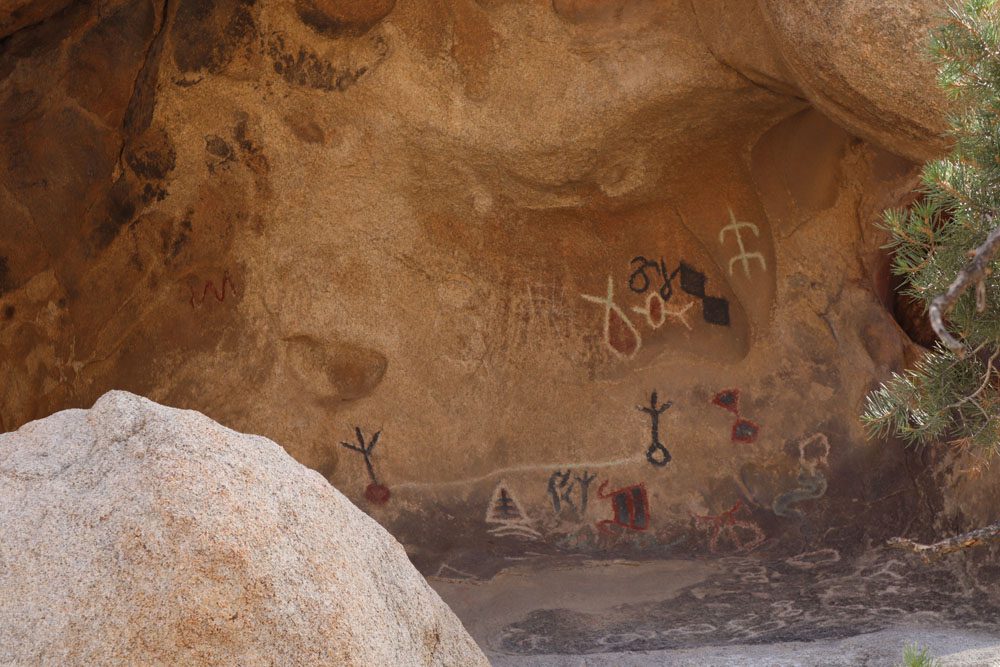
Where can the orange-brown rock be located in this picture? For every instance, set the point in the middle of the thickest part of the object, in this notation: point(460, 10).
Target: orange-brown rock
point(476, 237)
point(339, 17)
point(17, 14)
point(864, 64)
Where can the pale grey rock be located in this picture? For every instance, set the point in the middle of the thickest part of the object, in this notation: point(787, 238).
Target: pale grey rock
point(133, 533)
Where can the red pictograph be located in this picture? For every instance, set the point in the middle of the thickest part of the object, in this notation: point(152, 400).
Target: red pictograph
point(728, 399)
point(744, 430)
point(210, 288)
point(377, 493)
point(727, 523)
point(630, 506)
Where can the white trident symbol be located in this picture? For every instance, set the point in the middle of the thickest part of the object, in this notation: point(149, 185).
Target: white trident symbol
point(744, 256)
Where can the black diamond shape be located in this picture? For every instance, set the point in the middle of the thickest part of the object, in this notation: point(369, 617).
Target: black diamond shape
point(715, 310)
point(692, 280)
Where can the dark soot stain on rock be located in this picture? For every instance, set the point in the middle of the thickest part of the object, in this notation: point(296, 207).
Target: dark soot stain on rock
point(120, 208)
point(352, 20)
point(207, 33)
point(218, 147)
point(153, 161)
point(305, 68)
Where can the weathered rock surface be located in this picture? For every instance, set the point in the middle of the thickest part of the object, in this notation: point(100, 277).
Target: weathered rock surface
point(139, 534)
point(863, 63)
point(17, 14)
point(498, 238)
point(813, 608)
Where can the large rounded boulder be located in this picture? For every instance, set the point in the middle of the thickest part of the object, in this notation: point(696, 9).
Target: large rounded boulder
point(137, 534)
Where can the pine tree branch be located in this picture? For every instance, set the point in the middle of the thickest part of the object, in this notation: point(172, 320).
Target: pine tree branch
point(972, 274)
point(931, 552)
point(982, 387)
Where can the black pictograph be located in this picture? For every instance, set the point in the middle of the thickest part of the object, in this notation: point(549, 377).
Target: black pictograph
point(657, 453)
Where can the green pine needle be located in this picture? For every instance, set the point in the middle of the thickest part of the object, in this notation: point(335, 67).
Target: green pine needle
point(947, 397)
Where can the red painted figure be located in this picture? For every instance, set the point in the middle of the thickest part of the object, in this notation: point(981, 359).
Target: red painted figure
point(630, 506)
point(220, 295)
point(726, 522)
point(744, 430)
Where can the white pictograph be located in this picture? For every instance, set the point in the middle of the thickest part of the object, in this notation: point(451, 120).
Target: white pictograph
point(743, 257)
point(507, 515)
point(656, 311)
point(449, 573)
point(813, 452)
point(620, 335)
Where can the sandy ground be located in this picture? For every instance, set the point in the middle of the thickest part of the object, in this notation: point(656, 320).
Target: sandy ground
point(812, 610)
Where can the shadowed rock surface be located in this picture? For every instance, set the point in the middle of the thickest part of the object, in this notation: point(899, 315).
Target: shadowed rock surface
point(813, 608)
point(139, 534)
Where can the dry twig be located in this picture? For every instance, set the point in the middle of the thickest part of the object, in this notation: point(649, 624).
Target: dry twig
point(972, 274)
point(931, 552)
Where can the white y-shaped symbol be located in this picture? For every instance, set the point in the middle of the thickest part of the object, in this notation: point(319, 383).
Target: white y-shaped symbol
point(621, 337)
point(744, 256)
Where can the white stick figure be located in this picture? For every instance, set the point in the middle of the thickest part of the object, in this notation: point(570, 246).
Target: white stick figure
point(734, 226)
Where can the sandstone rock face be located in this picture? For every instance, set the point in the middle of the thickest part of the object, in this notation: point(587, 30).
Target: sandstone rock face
point(139, 534)
point(863, 63)
point(459, 256)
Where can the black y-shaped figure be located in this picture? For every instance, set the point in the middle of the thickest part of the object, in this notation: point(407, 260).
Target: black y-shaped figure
point(584, 481)
point(366, 450)
point(656, 448)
